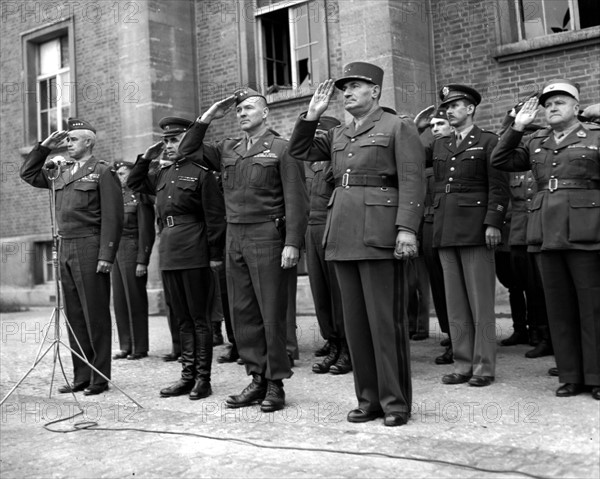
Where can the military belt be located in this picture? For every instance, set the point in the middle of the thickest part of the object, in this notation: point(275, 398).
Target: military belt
point(554, 184)
point(382, 181)
point(171, 221)
point(457, 188)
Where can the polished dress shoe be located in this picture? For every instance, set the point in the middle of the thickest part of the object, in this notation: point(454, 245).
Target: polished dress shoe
point(178, 388)
point(121, 355)
point(323, 350)
point(200, 390)
point(455, 378)
point(569, 389)
point(254, 393)
point(596, 393)
point(230, 356)
point(393, 419)
point(445, 342)
point(446, 358)
point(360, 415)
point(95, 389)
point(543, 348)
point(73, 388)
point(481, 381)
point(136, 356)
point(518, 337)
point(275, 398)
point(553, 371)
point(170, 357)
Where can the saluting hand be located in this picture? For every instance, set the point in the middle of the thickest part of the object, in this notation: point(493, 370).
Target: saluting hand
point(320, 100)
point(527, 114)
point(218, 110)
point(154, 151)
point(55, 139)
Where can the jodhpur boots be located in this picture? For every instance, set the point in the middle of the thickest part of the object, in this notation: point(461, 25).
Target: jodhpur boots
point(329, 360)
point(343, 365)
point(254, 393)
point(275, 397)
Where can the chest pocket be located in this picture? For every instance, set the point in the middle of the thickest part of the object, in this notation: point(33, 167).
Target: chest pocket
point(583, 163)
point(228, 169)
point(85, 195)
point(538, 160)
point(373, 149)
point(339, 157)
point(381, 207)
point(187, 185)
point(439, 168)
point(263, 172)
point(472, 166)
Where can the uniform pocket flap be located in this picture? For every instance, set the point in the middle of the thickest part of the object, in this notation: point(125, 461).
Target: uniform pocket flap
point(264, 160)
point(228, 162)
point(377, 140)
point(584, 199)
point(379, 197)
point(536, 204)
point(86, 185)
point(339, 146)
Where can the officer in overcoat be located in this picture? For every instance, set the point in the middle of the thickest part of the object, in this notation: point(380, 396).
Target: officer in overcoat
point(89, 216)
point(373, 214)
point(130, 272)
point(191, 213)
point(470, 202)
point(563, 226)
point(267, 211)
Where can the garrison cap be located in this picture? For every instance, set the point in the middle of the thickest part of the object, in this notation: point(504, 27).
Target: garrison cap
point(327, 123)
point(173, 125)
point(455, 91)
point(559, 87)
point(441, 114)
point(242, 94)
point(361, 71)
point(76, 124)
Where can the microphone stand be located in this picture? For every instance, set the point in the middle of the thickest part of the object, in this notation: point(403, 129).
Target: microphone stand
point(57, 313)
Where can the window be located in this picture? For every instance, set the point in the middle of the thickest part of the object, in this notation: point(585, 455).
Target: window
point(292, 43)
point(43, 269)
point(545, 17)
point(53, 86)
point(49, 93)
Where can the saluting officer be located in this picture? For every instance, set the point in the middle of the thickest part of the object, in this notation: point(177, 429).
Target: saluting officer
point(130, 272)
point(563, 226)
point(192, 216)
point(89, 215)
point(267, 211)
point(374, 215)
point(470, 202)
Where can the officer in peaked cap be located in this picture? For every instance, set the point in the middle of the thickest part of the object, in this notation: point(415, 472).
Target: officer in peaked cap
point(360, 71)
point(559, 87)
point(89, 215)
point(454, 91)
point(190, 211)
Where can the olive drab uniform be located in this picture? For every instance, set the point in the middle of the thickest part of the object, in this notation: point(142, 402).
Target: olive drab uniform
point(130, 297)
point(564, 227)
point(89, 215)
point(190, 213)
point(266, 208)
point(378, 174)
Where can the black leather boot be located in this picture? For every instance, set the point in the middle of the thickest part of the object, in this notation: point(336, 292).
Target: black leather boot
point(178, 388)
point(201, 389)
point(518, 337)
point(329, 360)
point(254, 393)
point(275, 397)
point(231, 356)
point(343, 365)
point(203, 350)
point(447, 357)
point(323, 350)
point(217, 338)
point(544, 347)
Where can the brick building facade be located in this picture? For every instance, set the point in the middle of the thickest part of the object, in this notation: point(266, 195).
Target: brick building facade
point(129, 63)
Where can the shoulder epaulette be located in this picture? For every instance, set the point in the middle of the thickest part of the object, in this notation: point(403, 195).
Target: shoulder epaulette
point(590, 125)
point(200, 166)
point(280, 138)
point(489, 132)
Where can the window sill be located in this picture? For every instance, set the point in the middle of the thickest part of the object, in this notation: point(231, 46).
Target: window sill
point(288, 96)
point(547, 44)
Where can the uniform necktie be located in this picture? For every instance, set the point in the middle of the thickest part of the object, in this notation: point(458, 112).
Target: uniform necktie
point(458, 139)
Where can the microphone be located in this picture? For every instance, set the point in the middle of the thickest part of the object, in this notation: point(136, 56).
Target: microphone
point(57, 162)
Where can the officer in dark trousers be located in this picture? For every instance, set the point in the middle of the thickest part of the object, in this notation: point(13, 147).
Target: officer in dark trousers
point(267, 211)
point(130, 272)
point(439, 128)
point(563, 226)
point(323, 281)
point(89, 215)
point(192, 215)
point(373, 217)
point(470, 202)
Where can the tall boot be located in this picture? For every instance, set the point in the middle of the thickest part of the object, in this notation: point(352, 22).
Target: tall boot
point(186, 383)
point(544, 347)
point(203, 362)
point(329, 360)
point(343, 365)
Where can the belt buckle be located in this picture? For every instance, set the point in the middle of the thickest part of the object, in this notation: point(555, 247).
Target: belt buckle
point(552, 184)
point(170, 221)
point(448, 188)
point(345, 178)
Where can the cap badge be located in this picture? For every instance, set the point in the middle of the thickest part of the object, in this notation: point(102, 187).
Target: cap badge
point(445, 91)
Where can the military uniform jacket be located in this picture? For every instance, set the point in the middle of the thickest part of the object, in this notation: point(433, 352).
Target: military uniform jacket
point(363, 221)
point(260, 184)
point(568, 217)
point(88, 203)
point(469, 194)
point(190, 212)
point(139, 223)
point(523, 188)
point(320, 191)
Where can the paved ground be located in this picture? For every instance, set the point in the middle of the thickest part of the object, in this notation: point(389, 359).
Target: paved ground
point(515, 428)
